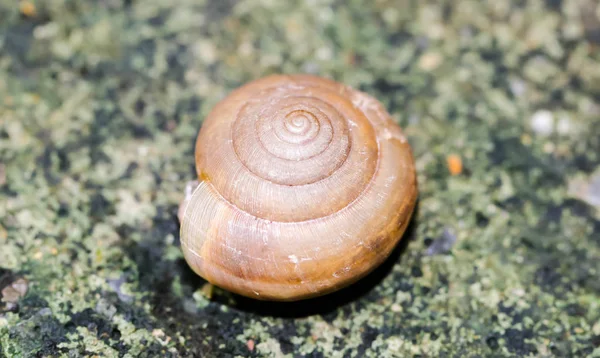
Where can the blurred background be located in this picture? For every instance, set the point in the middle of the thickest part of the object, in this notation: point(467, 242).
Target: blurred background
point(100, 105)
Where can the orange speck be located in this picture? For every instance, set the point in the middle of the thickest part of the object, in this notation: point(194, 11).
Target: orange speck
point(455, 165)
point(27, 8)
point(204, 176)
point(250, 345)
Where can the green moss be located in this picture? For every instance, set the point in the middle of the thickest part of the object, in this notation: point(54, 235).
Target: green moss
point(100, 104)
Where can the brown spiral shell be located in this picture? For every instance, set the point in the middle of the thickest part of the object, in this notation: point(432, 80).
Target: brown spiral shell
point(305, 185)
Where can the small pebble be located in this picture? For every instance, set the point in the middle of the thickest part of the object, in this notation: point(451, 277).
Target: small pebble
point(250, 345)
point(596, 328)
point(396, 308)
point(430, 61)
point(206, 51)
point(158, 333)
point(115, 284)
point(517, 87)
point(593, 194)
point(324, 53)
point(587, 189)
point(12, 293)
point(542, 122)
point(442, 244)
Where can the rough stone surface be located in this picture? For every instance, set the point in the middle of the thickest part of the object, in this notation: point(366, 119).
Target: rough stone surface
point(100, 104)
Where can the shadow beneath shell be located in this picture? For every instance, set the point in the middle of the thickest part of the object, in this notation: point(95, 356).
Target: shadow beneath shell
point(328, 303)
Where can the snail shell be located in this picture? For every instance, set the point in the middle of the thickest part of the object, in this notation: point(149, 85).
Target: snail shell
point(304, 186)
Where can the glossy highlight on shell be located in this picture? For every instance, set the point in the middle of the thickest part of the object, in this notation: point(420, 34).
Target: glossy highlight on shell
point(304, 186)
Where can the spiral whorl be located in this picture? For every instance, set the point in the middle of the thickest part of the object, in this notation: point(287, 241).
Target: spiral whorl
point(292, 168)
point(294, 132)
